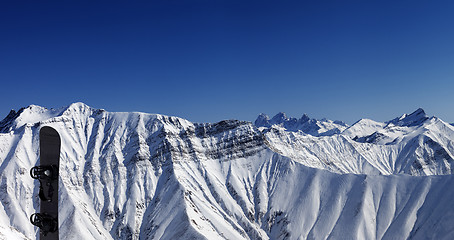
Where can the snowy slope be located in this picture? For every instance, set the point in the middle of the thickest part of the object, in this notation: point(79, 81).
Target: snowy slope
point(413, 144)
point(363, 128)
point(149, 176)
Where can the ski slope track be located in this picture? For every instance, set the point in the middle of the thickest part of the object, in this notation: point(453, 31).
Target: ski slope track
point(148, 176)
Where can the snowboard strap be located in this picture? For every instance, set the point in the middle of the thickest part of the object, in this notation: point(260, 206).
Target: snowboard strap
point(46, 174)
point(45, 222)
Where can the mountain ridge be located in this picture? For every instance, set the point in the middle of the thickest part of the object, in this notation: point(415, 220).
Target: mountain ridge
point(305, 124)
point(150, 176)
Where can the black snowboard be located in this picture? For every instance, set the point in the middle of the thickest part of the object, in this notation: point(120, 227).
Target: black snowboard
point(47, 174)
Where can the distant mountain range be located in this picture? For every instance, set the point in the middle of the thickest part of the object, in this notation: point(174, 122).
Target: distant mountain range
point(149, 176)
point(305, 124)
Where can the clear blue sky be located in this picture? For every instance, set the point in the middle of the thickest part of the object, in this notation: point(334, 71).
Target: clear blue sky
point(211, 60)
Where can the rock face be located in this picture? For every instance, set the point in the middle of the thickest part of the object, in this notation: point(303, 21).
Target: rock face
point(148, 176)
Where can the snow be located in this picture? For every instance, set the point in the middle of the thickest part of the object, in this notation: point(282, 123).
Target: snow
point(370, 147)
point(363, 127)
point(305, 124)
point(150, 176)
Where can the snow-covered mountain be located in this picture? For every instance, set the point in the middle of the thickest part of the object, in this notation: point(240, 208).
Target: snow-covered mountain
point(149, 176)
point(412, 144)
point(305, 124)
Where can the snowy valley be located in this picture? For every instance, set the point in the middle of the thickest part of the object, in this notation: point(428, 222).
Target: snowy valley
point(148, 176)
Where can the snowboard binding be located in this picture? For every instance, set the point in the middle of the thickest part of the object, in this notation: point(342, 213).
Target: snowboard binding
point(45, 222)
point(46, 174)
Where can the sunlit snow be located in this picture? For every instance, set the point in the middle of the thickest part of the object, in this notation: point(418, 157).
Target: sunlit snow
point(149, 176)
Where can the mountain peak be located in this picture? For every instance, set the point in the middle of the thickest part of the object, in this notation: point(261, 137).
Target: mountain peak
point(279, 118)
point(305, 124)
point(418, 112)
point(30, 114)
point(305, 118)
point(262, 120)
point(6, 123)
point(34, 113)
point(77, 107)
point(409, 120)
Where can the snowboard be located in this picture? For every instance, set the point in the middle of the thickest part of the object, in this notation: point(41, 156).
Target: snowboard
point(47, 174)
